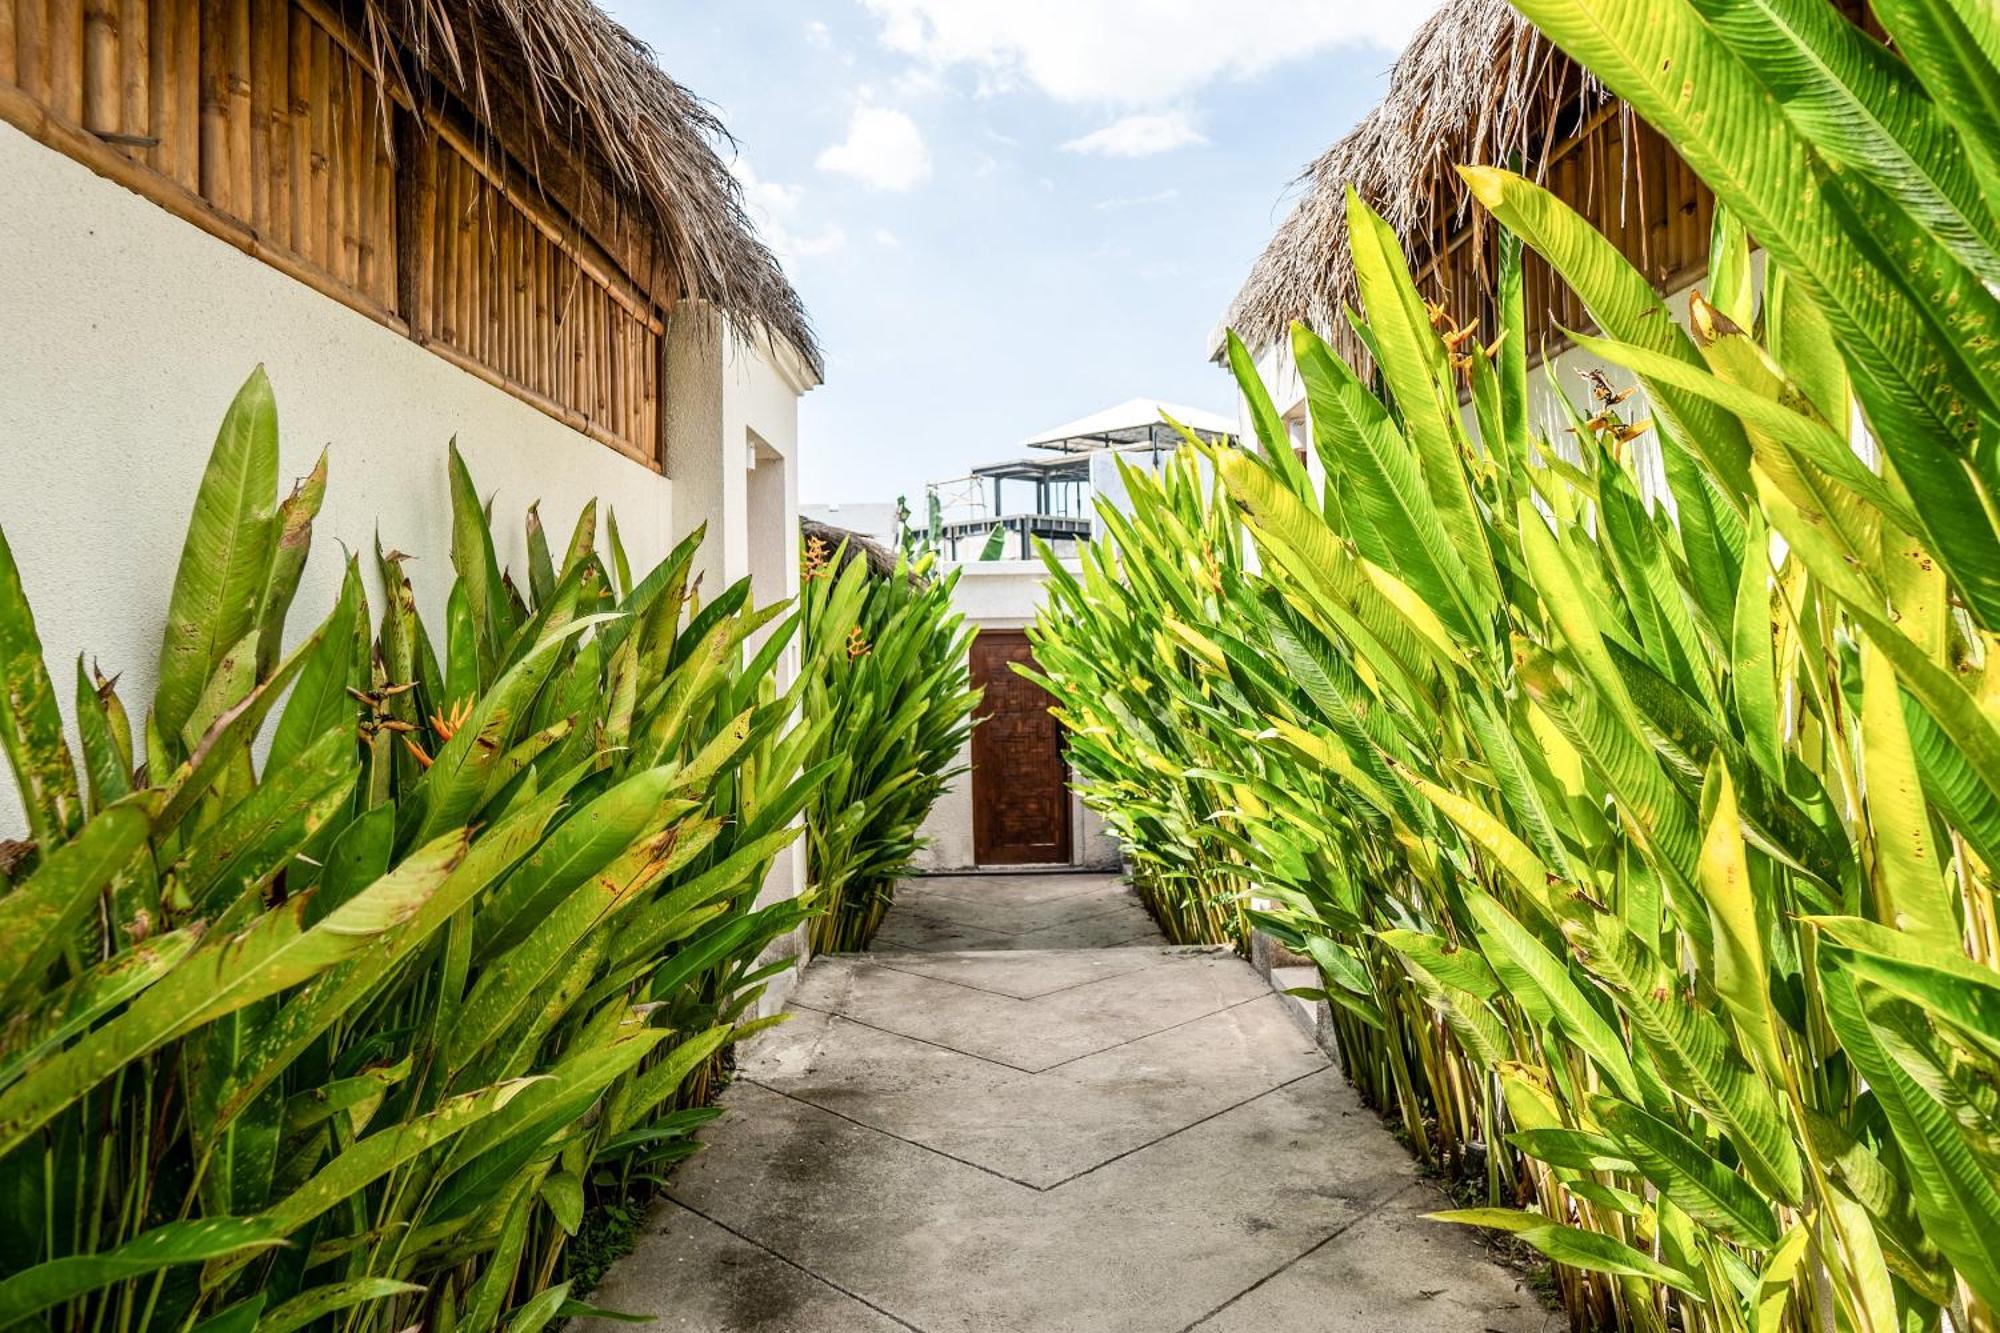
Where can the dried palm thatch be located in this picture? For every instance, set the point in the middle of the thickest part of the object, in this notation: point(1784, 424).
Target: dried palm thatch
point(562, 75)
point(1476, 84)
point(881, 559)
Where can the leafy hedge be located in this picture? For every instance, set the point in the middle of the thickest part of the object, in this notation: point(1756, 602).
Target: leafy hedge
point(1646, 846)
point(337, 989)
point(887, 684)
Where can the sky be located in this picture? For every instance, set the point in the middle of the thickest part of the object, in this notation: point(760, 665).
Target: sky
point(1003, 214)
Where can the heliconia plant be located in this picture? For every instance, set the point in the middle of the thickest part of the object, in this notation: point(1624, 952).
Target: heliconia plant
point(1645, 842)
point(338, 988)
point(886, 678)
point(1138, 700)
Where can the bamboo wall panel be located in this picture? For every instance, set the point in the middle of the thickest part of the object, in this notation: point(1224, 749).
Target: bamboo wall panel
point(508, 289)
point(277, 124)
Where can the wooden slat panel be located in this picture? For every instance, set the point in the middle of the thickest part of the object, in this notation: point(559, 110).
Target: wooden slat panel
point(135, 88)
point(31, 40)
point(103, 109)
point(263, 121)
point(10, 26)
point(65, 59)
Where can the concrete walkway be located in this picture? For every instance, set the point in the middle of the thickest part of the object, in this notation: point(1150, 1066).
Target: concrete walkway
point(1025, 1113)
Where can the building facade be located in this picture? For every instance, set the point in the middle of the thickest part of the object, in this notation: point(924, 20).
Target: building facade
point(422, 237)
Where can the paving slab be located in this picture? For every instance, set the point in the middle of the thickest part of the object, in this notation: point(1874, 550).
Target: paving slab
point(910, 932)
point(1004, 915)
point(1026, 888)
point(1150, 1242)
point(1112, 930)
point(1027, 973)
point(693, 1276)
point(986, 1115)
point(1392, 1270)
point(1035, 1034)
point(1066, 1127)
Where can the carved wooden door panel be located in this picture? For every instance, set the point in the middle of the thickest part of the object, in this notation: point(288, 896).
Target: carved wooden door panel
point(1020, 784)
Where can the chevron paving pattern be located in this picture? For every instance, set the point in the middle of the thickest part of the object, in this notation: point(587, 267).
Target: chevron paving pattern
point(1025, 1112)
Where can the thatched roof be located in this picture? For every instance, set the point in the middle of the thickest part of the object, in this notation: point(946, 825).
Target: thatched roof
point(881, 560)
point(562, 75)
point(1477, 84)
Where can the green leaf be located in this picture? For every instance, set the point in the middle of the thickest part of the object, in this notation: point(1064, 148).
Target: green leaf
point(319, 701)
point(307, 1306)
point(534, 1313)
point(1941, 982)
point(31, 729)
point(1953, 46)
point(1954, 1196)
point(1396, 523)
point(369, 1158)
point(1909, 879)
point(1412, 361)
point(226, 562)
point(1918, 329)
point(1529, 964)
point(107, 739)
point(1863, 108)
point(1741, 974)
point(73, 1006)
point(292, 544)
point(185, 1242)
point(478, 569)
point(1687, 1174)
point(1695, 1056)
point(1591, 1251)
point(1572, 1149)
point(563, 1193)
point(273, 954)
point(39, 916)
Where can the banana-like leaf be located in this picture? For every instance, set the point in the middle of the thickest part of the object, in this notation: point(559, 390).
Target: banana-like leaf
point(1742, 976)
point(1591, 1251)
point(274, 953)
point(1865, 109)
point(1884, 284)
point(226, 563)
point(1689, 1175)
point(31, 729)
point(1529, 964)
point(183, 1242)
point(307, 1306)
point(291, 544)
point(1954, 1193)
point(39, 915)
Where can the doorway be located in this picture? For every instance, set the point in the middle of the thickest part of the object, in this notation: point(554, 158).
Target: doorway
point(1020, 782)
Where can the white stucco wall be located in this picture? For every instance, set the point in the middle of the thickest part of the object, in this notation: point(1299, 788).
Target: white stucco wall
point(126, 333)
point(732, 441)
point(1001, 594)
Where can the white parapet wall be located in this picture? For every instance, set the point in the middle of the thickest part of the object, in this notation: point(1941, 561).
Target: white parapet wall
point(1001, 594)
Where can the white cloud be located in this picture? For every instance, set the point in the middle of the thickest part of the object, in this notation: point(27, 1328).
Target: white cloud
point(779, 212)
point(1166, 196)
point(1140, 135)
point(1113, 52)
point(818, 34)
point(887, 239)
point(883, 149)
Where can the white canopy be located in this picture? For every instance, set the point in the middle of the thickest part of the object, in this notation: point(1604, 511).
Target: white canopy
point(1130, 422)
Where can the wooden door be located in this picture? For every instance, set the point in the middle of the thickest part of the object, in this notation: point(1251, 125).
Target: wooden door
point(1020, 784)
